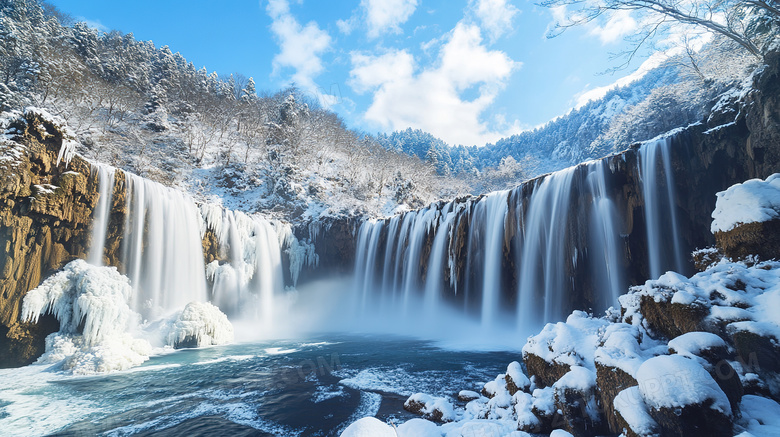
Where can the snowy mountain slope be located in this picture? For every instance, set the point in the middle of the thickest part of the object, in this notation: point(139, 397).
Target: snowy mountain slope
point(150, 111)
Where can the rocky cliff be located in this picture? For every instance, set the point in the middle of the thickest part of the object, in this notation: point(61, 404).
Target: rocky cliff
point(45, 213)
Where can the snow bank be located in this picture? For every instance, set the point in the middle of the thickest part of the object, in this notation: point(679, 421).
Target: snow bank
point(91, 305)
point(369, 427)
point(760, 417)
point(204, 323)
point(673, 381)
point(752, 201)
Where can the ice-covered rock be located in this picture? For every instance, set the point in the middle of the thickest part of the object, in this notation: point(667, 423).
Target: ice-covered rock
point(95, 320)
point(200, 324)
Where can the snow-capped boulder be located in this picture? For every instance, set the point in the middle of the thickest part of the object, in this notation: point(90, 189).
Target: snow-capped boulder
point(746, 220)
point(712, 353)
point(433, 408)
point(516, 379)
point(575, 399)
point(683, 398)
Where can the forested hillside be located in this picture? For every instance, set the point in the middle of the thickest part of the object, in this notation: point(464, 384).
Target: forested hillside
point(678, 92)
point(150, 111)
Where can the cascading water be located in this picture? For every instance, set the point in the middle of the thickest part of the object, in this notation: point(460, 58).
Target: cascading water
point(606, 255)
point(660, 208)
point(433, 282)
point(543, 270)
point(162, 251)
point(565, 238)
point(493, 208)
point(247, 283)
point(162, 248)
point(105, 177)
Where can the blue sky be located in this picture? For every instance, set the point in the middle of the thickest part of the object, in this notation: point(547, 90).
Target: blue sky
point(468, 71)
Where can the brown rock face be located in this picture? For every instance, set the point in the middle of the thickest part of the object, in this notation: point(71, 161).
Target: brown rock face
point(760, 239)
point(671, 320)
point(45, 214)
point(546, 373)
point(698, 419)
point(610, 382)
point(577, 408)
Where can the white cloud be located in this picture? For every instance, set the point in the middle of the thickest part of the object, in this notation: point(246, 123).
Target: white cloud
point(301, 47)
point(384, 16)
point(495, 15)
point(95, 24)
point(431, 98)
point(619, 25)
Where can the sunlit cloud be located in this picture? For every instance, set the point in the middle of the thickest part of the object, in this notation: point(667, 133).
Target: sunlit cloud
point(301, 47)
point(431, 98)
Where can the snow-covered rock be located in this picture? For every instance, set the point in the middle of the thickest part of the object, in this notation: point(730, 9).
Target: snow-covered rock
point(752, 201)
point(435, 408)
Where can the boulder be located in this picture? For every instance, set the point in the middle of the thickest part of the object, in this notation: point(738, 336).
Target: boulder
point(759, 239)
point(575, 399)
point(610, 382)
point(432, 408)
point(682, 397)
point(670, 319)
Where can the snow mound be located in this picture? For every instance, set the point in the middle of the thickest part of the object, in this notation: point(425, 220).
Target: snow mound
point(752, 201)
point(369, 427)
point(760, 416)
point(91, 305)
point(202, 322)
point(693, 344)
point(673, 381)
point(572, 342)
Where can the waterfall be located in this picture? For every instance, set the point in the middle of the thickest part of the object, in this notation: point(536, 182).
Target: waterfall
point(162, 249)
point(543, 259)
point(433, 283)
point(492, 211)
point(660, 209)
point(531, 254)
point(105, 178)
point(245, 285)
point(604, 243)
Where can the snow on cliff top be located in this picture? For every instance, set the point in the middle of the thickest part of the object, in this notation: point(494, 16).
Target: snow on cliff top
point(752, 201)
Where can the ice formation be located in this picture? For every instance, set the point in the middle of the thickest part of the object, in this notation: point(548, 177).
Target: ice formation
point(202, 322)
point(91, 304)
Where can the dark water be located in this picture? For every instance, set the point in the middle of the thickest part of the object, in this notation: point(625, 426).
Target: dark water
point(312, 388)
